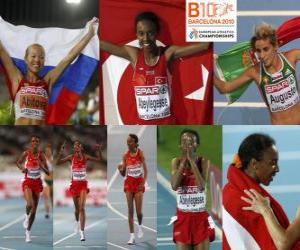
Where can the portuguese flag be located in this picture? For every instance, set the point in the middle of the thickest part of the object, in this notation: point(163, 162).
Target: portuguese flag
point(234, 61)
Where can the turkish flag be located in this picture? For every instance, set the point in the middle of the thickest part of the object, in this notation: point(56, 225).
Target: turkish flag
point(192, 92)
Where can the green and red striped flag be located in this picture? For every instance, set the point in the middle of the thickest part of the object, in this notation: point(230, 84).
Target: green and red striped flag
point(234, 61)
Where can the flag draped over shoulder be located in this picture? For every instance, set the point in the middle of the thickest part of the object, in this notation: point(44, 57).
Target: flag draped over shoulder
point(57, 42)
point(234, 61)
point(246, 229)
point(192, 93)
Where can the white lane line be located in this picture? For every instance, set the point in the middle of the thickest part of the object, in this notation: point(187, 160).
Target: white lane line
point(139, 134)
point(18, 237)
point(165, 239)
point(282, 189)
point(269, 13)
point(73, 234)
point(65, 238)
point(118, 218)
point(125, 217)
point(240, 105)
point(4, 248)
point(112, 244)
point(20, 218)
point(85, 247)
point(12, 223)
point(166, 184)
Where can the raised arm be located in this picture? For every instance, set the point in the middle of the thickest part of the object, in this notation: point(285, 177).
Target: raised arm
point(13, 72)
point(293, 56)
point(98, 153)
point(229, 86)
point(52, 76)
point(174, 52)
point(61, 158)
point(177, 171)
point(200, 182)
point(282, 238)
point(125, 51)
point(20, 161)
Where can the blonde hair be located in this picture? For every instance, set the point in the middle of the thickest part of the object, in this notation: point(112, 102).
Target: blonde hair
point(264, 31)
point(34, 45)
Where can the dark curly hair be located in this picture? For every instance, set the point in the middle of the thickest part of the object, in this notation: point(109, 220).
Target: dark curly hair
point(149, 16)
point(253, 146)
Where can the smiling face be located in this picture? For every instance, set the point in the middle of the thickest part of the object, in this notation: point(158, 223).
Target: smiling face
point(188, 141)
point(146, 34)
point(266, 168)
point(35, 58)
point(266, 51)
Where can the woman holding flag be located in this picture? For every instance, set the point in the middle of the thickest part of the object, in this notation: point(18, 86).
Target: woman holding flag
point(275, 76)
point(151, 63)
point(30, 92)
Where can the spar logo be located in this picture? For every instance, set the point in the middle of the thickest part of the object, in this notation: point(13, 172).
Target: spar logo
point(151, 90)
point(273, 88)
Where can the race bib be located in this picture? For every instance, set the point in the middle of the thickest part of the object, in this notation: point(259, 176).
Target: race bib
point(33, 102)
point(134, 171)
point(153, 102)
point(190, 199)
point(33, 173)
point(282, 95)
point(79, 175)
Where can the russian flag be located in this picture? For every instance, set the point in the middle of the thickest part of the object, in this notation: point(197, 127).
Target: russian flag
point(57, 42)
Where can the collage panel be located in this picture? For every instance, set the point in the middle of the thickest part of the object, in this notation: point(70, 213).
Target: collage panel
point(25, 190)
point(80, 193)
point(260, 163)
point(267, 69)
point(131, 186)
point(189, 217)
point(49, 58)
point(147, 65)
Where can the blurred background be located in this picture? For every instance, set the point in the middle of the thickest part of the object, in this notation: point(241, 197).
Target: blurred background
point(14, 140)
point(72, 14)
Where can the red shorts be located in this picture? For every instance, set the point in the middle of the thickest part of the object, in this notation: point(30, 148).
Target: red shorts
point(132, 184)
point(35, 185)
point(191, 228)
point(77, 186)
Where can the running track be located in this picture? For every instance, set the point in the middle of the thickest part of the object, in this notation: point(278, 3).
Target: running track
point(95, 229)
point(12, 233)
point(118, 231)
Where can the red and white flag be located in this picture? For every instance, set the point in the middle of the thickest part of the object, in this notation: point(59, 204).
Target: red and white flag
point(246, 229)
point(192, 92)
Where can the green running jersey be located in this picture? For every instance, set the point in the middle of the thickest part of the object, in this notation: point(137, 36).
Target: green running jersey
point(280, 89)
